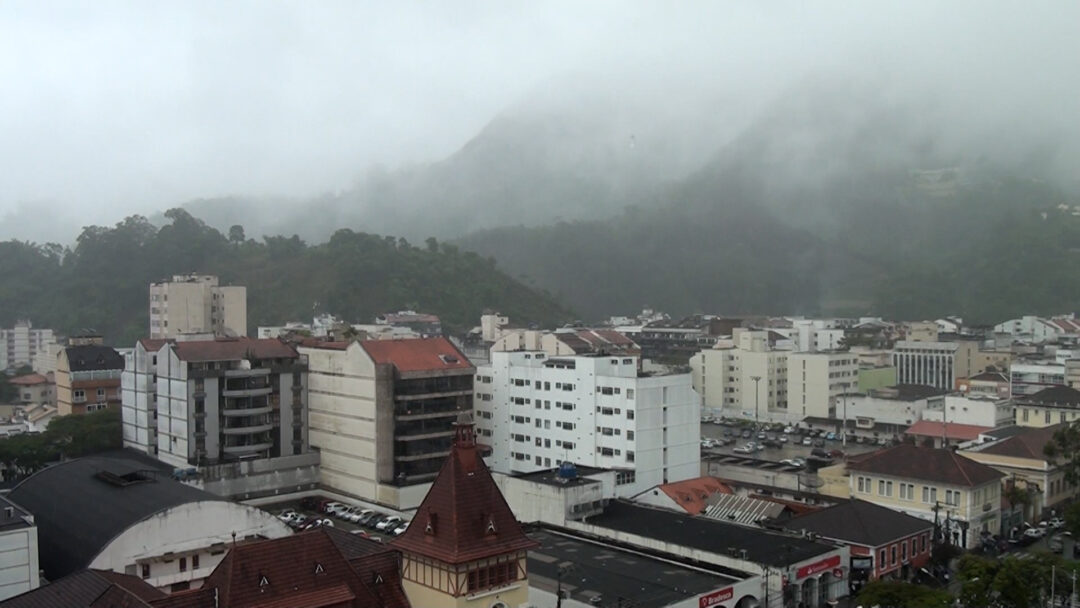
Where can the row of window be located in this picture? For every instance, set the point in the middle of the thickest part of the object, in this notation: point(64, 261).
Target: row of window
point(865, 485)
point(546, 386)
point(917, 545)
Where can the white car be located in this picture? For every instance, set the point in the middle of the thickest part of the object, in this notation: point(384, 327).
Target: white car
point(1057, 522)
point(708, 443)
point(288, 515)
point(398, 531)
point(348, 513)
point(333, 507)
point(807, 441)
point(359, 514)
point(783, 439)
point(743, 450)
point(789, 430)
point(388, 524)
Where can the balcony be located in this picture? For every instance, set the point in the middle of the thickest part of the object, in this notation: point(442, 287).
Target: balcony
point(239, 450)
point(247, 373)
point(247, 392)
point(250, 411)
point(261, 427)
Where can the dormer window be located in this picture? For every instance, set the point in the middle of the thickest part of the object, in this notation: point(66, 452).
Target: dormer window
point(263, 581)
point(490, 526)
point(318, 568)
point(429, 528)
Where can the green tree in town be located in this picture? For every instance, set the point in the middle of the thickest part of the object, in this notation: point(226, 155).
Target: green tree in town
point(890, 594)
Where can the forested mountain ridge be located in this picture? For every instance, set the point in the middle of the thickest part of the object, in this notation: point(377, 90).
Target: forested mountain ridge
point(102, 282)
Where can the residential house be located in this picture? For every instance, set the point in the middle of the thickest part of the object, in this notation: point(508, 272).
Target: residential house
point(1048, 407)
point(88, 377)
point(35, 389)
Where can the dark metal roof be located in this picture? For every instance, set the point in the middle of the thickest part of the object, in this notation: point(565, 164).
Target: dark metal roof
point(18, 518)
point(93, 357)
point(706, 534)
point(81, 505)
point(861, 523)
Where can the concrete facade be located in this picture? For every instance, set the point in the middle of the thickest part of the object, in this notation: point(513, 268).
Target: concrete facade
point(22, 343)
point(19, 570)
point(816, 380)
point(197, 304)
point(724, 376)
point(937, 364)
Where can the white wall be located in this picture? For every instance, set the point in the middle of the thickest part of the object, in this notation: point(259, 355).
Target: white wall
point(186, 530)
point(18, 562)
point(966, 410)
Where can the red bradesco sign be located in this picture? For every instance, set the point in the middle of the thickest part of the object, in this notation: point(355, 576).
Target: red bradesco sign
point(822, 566)
point(716, 597)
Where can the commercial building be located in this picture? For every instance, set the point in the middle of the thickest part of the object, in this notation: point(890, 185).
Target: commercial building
point(22, 343)
point(382, 414)
point(122, 514)
point(536, 411)
point(891, 410)
point(19, 571)
point(937, 364)
point(961, 496)
point(816, 381)
point(992, 385)
point(884, 543)
point(744, 375)
point(233, 408)
point(989, 412)
point(193, 303)
point(426, 325)
point(795, 569)
point(87, 377)
point(1048, 407)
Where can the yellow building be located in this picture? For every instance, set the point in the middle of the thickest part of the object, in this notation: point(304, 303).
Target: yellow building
point(961, 495)
point(1048, 407)
point(464, 548)
point(1022, 460)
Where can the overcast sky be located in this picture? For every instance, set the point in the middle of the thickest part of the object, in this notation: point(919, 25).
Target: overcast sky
point(109, 108)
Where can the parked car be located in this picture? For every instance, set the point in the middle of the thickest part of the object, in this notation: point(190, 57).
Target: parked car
point(357, 515)
point(761, 436)
point(1056, 544)
point(1056, 523)
point(347, 512)
point(727, 433)
point(288, 515)
point(298, 521)
point(799, 462)
point(858, 439)
point(363, 521)
point(831, 436)
point(882, 441)
point(745, 434)
point(311, 524)
point(819, 452)
point(373, 523)
point(807, 440)
point(783, 439)
point(1035, 532)
point(742, 449)
point(819, 443)
point(788, 430)
point(331, 507)
point(388, 524)
point(791, 462)
point(836, 453)
point(770, 443)
point(400, 529)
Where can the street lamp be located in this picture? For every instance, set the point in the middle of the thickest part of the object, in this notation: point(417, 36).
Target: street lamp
point(757, 408)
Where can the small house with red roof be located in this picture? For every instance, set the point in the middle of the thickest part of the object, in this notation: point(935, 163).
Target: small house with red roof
point(382, 414)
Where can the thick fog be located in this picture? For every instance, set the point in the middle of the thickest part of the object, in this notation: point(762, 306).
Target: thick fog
point(113, 108)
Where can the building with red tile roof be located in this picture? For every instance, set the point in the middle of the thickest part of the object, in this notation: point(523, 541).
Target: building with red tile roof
point(464, 539)
point(689, 495)
point(382, 414)
point(950, 432)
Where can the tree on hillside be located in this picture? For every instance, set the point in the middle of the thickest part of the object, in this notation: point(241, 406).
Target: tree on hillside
point(236, 234)
point(66, 437)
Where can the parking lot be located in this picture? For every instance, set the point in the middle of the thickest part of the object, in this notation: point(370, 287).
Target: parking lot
point(308, 509)
point(733, 435)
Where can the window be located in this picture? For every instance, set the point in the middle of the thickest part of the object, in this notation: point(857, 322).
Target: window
point(929, 495)
point(630, 435)
point(183, 564)
point(952, 497)
point(607, 390)
point(79, 394)
point(907, 491)
point(884, 488)
point(629, 393)
point(492, 576)
point(624, 477)
point(881, 560)
point(100, 393)
point(629, 455)
point(903, 551)
point(146, 571)
point(893, 552)
point(1025, 415)
point(629, 414)
point(922, 543)
point(1047, 416)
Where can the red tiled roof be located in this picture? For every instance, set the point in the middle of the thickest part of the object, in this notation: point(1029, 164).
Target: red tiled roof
point(690, 494)
point(420, 355)
point(926, 464)
point(234, 349)
point(28, 380)
point(952, 430)
point(464, 517)
point(153, 344)
point(265, 574)
point(1028, 444)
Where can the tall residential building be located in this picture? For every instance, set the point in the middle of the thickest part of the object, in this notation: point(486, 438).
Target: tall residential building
point(743, 374)
point(816, 380)
point(382, 414)
point(87, 377)
point(196, 304)
point(1030, 377)
point(234, 409)
point(536, 411)
point(20, 344)
point(937, 364)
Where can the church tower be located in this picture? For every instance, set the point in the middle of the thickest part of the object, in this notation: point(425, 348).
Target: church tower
point(464, 548)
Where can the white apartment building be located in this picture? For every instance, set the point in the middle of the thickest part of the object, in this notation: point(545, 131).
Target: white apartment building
point(816, 381)
point(815, 335)
point(1039, 329)
point(744, 376)
point(22, 343)
point(197, 304)
point(1032, 377)
point(536, 411)
point(937, 364)
point(234, 410)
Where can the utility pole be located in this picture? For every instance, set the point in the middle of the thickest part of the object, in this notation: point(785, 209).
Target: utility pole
point(757, 408)
point(843, 429)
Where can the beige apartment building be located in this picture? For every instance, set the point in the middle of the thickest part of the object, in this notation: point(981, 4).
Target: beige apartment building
point(197, 304)
point(963, 496)
point(743, 374)
point(87, 377)
point(382, 414)
point(816, 380)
